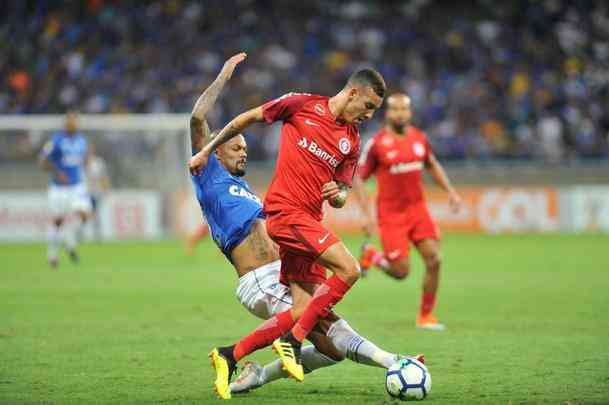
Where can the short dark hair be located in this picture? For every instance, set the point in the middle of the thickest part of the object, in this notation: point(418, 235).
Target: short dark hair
point(368, 77)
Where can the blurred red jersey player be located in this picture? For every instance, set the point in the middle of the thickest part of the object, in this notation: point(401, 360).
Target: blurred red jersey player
point(397, 155)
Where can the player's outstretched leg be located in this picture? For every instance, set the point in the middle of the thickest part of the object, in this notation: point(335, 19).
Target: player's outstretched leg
point(224, 359)
point(224, 364)
point(346, 271)
point(347, 342)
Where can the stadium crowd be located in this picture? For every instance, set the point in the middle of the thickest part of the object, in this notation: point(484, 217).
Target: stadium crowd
point(514, 80)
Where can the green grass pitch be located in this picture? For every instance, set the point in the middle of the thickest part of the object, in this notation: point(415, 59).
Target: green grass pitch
point(527, 317)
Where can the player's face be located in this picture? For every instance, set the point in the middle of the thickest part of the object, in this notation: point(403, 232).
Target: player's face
point(233, 155)
point(361, 105)
point(398, 112)
point(71, 123)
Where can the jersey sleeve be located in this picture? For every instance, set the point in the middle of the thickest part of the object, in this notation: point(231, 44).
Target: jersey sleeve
point(368, 161)
point(284, 107)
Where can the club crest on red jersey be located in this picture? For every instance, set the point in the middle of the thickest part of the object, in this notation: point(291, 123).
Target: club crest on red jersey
point(344, 145)
point(319, 109)
point(418, 149)
point(387, 141)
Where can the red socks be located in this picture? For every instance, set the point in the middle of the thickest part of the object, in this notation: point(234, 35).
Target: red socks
point(428, 301)
point(264, 334)
point(326, 296)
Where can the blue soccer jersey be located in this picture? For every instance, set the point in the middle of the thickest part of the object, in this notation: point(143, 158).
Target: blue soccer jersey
point(68, 154)
point(230, 207)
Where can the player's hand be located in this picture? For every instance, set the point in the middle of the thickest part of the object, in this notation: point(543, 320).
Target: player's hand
point(198, 162)
point(455, 202)
point(330, 190)
point(231, 64)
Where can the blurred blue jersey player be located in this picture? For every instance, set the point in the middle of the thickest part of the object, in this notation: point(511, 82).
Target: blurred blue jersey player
point(234, 214)
point(64, 157)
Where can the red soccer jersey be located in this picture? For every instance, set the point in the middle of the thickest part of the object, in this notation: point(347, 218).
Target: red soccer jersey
point(313, 150)
point(398, 162)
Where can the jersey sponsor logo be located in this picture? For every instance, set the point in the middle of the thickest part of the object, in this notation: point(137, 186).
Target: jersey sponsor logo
point(241, 192)
point(392, 154)
point(319, 109)
point(405, 167)
point(418, 149)
point(344, 145)
point(314, 149)
point(313, 123)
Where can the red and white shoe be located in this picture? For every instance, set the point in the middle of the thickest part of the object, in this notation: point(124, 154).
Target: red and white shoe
point(367, 252)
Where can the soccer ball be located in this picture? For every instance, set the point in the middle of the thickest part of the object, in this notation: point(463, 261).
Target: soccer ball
point(408, 379)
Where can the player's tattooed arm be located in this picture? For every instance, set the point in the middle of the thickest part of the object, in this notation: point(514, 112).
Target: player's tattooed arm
point(199, 129)
point(199, 133)
point(336, 193)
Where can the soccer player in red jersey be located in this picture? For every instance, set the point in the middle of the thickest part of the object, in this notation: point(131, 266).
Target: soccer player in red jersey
point(397, 155)
point(317, 159)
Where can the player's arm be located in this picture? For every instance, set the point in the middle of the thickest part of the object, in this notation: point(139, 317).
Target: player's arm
point(363, 200)
point(440, 177)
point(232, 129)
point(199, 129)
point(46, 163)
point(366, 167)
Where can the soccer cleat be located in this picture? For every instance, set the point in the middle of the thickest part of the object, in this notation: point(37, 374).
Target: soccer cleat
point(248, 380)
point(429, 322)
point(54, 263)
point(225, 366)
point(288, 350)
point(367, 252)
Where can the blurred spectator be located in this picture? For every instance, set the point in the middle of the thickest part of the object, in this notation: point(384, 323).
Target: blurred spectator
point(497, 84)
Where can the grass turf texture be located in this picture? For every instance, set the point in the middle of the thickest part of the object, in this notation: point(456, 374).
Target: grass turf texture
point(527, 323)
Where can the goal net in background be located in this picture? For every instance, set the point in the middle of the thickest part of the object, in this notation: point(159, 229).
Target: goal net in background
point(150, 195)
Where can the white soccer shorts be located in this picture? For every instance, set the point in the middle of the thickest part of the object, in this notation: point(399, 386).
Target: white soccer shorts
point(261, 293)
point(67, 199)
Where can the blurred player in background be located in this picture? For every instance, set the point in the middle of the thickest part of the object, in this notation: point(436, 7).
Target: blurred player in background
point(196, 237)
point(98, 183)
point(238, 227)
point(317, 160)
point(64, 158)
point(397, 155)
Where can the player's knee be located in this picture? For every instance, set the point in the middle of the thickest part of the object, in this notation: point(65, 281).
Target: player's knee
point(352, 273)
point(400, 270)
point(349, 272)
point(433, 262)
